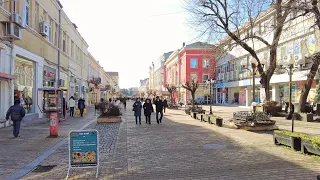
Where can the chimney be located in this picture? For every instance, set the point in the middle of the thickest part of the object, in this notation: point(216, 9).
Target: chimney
point(183, 44)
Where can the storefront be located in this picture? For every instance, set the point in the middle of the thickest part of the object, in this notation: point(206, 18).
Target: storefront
point(28, 72)
point(221, 93)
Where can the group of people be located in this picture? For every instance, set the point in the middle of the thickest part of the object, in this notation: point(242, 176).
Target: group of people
point(148, 109)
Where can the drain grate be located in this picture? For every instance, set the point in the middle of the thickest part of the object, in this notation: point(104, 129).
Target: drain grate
point(41, 169)
point(214, 146)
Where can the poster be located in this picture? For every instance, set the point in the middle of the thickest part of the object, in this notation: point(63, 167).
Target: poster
point(83, 148)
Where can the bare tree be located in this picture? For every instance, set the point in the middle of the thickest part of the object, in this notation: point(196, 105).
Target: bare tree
point(192, 87)
point(237, 19)
point(171, 89)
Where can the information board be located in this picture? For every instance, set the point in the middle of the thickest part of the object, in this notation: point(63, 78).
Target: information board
point(84, 149)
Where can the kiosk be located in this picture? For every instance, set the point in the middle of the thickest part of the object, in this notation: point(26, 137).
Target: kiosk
point(54, 106)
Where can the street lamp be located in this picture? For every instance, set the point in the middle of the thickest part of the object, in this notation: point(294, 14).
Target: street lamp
point(210, 81)
point(288, 66)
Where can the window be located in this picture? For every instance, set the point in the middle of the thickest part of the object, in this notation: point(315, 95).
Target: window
point(56, 35)
point(194, 63)
point(14, 6)
point(205, 63)
point(64, 42)
point(72, 49)
point(205, 77)
point(50, 30)
point(27, 15)
point(1, 3)
point(194, 76)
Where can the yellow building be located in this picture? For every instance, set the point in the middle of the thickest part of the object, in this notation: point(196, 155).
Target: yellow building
point(29, 31)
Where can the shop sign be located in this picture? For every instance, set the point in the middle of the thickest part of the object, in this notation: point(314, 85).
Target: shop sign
point(49, 73)
point(219, 85)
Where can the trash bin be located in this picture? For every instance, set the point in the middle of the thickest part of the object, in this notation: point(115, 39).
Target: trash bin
point(219, 122)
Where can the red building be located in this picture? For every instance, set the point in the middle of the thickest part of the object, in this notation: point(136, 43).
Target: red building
point(194, 61)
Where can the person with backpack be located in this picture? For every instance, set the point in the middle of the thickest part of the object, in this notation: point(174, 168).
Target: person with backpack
point(17, 113)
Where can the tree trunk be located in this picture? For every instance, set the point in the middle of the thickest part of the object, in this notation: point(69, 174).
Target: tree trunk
point(193, 99)
point(307, 86)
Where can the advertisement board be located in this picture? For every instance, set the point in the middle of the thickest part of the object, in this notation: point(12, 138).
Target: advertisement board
point(84, 149)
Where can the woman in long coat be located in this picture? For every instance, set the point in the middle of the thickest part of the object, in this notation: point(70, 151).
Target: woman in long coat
point(137, 106)
point(148, 109)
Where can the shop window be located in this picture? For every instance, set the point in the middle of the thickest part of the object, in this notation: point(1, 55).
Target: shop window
point(194, 63)
point(23, 84)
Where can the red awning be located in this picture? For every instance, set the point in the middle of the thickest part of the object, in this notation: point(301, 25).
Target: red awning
point(6, 76)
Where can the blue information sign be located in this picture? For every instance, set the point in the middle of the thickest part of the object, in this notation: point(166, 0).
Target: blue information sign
point(84, 148)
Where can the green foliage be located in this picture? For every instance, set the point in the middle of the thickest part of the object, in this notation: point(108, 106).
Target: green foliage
point(270, 103)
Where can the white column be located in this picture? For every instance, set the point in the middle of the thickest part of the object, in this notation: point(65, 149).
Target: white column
point(275, 92)
point(230, 96)
point(216, 95)
point(248, 96)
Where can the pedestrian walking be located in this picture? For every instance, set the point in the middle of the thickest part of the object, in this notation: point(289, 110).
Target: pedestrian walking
point(137, 106)
point(159, 109)
point(17, 113)
point(72, 104)
point(165, 105)
point(81, 106)
point(148, 109)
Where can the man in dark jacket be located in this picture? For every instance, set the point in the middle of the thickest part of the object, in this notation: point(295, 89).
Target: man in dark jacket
point(17, 113)
point(159, 109)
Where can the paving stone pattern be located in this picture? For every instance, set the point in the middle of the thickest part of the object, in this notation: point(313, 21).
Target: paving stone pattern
point(16, 153)
point(178, 149)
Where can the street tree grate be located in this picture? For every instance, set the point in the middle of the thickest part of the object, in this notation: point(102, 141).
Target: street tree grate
point(42, 169)
point(214, 146)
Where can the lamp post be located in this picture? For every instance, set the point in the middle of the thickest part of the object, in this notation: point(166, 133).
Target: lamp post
point(210, 81)
point(288, 66)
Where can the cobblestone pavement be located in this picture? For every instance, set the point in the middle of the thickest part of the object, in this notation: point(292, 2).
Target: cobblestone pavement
point(184, 148)
point(312, 128)
point(16, 153)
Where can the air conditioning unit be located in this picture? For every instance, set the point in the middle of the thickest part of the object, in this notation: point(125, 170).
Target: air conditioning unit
point(44, 29)
point(298, 59)
point(17, 19)
point(12, 31)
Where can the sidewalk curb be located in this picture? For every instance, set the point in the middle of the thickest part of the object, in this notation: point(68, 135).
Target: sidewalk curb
point(25, 170)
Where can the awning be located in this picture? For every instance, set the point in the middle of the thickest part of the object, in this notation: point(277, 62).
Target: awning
point(6, 76)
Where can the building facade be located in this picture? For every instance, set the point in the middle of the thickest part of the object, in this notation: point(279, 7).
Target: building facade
point(29, 51)
point(158, 73)
point(298, 40)
point(192, 62)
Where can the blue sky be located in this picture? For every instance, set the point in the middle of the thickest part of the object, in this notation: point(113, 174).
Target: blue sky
point(126, 35)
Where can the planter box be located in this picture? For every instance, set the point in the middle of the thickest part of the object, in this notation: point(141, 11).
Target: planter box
point(219, 122)
point(272, 110)
point(308, 117)
point(282, 139)
point(307, 148)
point(109, 119)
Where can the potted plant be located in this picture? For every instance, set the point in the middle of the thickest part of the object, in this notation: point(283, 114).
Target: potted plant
point(287, 138)
point(310, 145)
point(109, 113)
point(272, 108)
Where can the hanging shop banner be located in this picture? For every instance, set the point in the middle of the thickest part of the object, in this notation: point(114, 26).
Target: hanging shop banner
point(84, 149)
